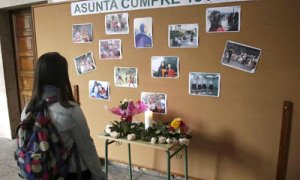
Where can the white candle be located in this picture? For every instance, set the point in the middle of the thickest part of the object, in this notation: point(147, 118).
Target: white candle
point(148, 119)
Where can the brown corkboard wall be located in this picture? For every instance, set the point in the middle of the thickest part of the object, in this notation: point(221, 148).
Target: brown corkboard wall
point(235, 136)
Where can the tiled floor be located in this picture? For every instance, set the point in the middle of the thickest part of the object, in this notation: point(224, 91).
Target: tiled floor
point(9, 170)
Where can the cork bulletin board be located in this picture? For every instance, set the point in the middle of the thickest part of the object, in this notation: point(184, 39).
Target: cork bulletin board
point(229, 131)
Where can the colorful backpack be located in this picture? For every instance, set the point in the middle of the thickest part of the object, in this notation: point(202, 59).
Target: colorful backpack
point(40, 153)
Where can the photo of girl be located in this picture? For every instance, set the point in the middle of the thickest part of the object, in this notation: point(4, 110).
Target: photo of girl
point(99, 90)
point(161, 72)
point(165, 67)
point(223, 19)
point(143, 33)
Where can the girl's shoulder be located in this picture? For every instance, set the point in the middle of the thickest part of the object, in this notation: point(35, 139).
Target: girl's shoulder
point(57, 107)
point(62, 117)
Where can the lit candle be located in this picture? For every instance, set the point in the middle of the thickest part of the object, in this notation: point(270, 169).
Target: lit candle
point(148, 119)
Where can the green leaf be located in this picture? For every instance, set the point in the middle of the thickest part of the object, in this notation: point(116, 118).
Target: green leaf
point(157, 131)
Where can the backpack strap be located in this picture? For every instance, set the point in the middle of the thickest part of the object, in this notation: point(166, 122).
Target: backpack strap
point(45, 104)
point(28, 121)
point(77, 161)
point(51, 99)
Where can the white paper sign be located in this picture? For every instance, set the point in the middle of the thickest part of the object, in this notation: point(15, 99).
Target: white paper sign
point(104, 6)
point(56, 1)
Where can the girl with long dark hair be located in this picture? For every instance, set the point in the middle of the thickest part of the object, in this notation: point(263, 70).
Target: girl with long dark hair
point(51, 79)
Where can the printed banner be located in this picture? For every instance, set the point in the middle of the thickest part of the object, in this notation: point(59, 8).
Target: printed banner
point(104, 6)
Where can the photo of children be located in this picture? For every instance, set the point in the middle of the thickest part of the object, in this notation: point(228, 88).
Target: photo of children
point(110, 49)
point(223, 19)
point(183, 36)
point(240, 56)
point(82, 33)
point(165, 67)
point(204, 84)
point(84, 63)
point(143, 33)
point(125, 77)
point(156, 102)
point(116, 23)
point(99, 90)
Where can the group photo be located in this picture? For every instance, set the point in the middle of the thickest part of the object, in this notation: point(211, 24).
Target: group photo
point(82, 33)
point(183, 36)
point(156, 102)
point(204, 84)
point(241, 56)
point(85, 63)
point(126, 77)
point(110, 49)
point(116, 23)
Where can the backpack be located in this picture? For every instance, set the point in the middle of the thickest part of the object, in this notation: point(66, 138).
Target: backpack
point(40, 152)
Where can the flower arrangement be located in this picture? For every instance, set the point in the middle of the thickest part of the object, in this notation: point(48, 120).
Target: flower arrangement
point(178, 128)
point(128, 108)
point(172, 133)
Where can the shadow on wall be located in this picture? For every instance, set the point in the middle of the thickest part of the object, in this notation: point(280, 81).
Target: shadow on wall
point(226, 153)
point(224, 150)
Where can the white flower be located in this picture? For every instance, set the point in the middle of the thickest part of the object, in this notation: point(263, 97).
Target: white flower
point(131, 137)
point(124, 100)
point(161, 140)
point(107, 128)
point(169, 140)
point(153, 140)
point(174, 140)
point(184, 141)
point(114, 134)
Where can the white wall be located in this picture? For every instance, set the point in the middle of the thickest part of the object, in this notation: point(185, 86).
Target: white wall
point(5, 130)
point(12, 3)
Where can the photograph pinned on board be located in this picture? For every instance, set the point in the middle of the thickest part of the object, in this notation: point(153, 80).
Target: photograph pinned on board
point(125, 77)
point(183, 35)
point(82, 33)
point(204, 84)
point(165, 67)
point(99, 90)
point(116, 23)
point(241, 56)
point(156, 102)
point(223, 19)
point(84, 63)
point(110, 49)
point(143, 37)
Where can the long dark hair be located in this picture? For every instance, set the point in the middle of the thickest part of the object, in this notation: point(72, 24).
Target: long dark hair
point(215, 18)
point(51, 69)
